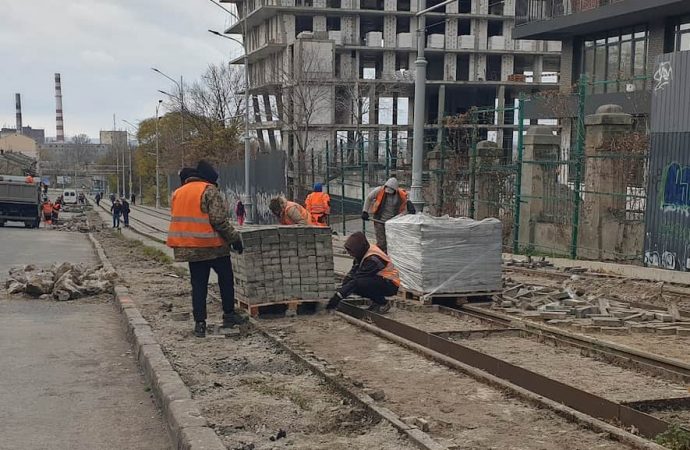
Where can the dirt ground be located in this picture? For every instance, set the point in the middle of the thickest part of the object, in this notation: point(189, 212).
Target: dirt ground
point(248, 389)
point(461, 411)
point(436, 322)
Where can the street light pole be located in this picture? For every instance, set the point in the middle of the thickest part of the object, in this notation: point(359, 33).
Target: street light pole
point(247, 138)
point(180, 87)
point(131, 191)
point(416, 195)
point(158, 190)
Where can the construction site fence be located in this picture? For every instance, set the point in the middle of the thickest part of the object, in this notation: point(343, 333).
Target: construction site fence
point(567, 187)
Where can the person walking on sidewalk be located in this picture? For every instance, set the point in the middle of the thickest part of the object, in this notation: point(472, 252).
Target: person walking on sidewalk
point(134, 199)
point(372, 276)
point(200, 234)
point(240, 212)
point(289, 213)
point(116, 210)
point(318, 204)
point(384, 203)
point(125, 212)
point(98, 199)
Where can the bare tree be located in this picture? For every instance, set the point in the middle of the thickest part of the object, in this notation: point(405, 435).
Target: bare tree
point(308, 95)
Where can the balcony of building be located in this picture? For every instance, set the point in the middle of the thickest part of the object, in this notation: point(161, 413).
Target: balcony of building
point(561, 19)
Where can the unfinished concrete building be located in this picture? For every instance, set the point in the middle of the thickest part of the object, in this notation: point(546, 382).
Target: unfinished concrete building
point(326, 71)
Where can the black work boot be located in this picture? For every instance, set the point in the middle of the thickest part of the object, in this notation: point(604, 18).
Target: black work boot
point(200, 329)
point(232, 319)
point(379, 308)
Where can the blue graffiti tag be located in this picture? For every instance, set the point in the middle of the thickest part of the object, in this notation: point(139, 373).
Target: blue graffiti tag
point(676, 181)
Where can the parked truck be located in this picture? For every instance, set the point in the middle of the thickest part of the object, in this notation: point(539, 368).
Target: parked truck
point(20, 200)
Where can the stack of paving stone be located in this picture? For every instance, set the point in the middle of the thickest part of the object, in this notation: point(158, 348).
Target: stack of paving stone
point(284, 263)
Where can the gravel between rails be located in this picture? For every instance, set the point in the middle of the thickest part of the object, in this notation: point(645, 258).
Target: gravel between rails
point(461, 411)
point(247, 388)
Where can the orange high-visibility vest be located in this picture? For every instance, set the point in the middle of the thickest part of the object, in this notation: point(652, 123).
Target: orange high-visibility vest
point(389, 272)
point(47, 208)
point(318, 203)
point(189, 226)
point(378, 202)
point(285, 219)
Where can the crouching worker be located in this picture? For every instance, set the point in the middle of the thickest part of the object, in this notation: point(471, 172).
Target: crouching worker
point(372, 276)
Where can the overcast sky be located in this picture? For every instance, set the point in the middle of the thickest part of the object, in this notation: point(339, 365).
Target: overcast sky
point(104, 50)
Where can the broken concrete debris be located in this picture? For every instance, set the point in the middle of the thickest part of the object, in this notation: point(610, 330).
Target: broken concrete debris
point(284, 263)
point(77, 223)
point(588, 312)
point(62, 282)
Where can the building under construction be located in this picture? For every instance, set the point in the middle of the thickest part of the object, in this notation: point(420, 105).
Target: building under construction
point(330, 71)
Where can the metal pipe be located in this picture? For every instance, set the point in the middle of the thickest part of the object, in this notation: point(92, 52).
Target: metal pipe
point(420, 105)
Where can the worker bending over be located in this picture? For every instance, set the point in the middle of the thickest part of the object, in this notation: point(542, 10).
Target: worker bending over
point(200, 234)
point(384, 203)
point(318, 204)
point(372, 276)
point(289, 213)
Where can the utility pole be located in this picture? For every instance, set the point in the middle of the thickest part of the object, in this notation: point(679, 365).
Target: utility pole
point(420, 63)
point(117, 157)
point(158, 138)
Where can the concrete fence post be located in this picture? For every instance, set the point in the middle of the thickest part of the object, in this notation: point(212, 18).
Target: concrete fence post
point(486, 188)
point(605, 182)
point(539, 180)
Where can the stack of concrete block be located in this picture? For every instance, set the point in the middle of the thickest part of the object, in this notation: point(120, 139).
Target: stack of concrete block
point(553, 46)
point(405, 40)
point(436, 41)
point(466, 41)
point(525, 45)
point(336, 36)
point(374, 39)
point(284, 263)
point(497, 43)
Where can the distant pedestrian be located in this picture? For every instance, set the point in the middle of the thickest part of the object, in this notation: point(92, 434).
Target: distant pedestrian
point(112, 198)
point(134, 199)
point(98, 199)
point(116, 210)
point(125, 212)
point(240, 212)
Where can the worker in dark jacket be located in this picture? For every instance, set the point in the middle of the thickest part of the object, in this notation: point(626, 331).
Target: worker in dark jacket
point(372, 276)
point(125, 211)
point(116, 210)
point(200, 234)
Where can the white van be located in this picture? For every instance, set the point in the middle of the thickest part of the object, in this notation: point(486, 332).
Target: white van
point(69, 196)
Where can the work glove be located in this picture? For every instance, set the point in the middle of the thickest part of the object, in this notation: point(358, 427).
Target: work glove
point(334, 301)
point(410, 208)
point(238, 247)
point(365, 215)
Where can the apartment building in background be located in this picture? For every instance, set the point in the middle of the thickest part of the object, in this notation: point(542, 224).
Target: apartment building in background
point(343, 70)
point(606, 40)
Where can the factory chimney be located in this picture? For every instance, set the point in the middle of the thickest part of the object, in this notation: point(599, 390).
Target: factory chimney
point(59, 125)
point(18, 104)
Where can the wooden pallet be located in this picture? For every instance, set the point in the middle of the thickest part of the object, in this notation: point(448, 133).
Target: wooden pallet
point(285, 308)
point(445, 298)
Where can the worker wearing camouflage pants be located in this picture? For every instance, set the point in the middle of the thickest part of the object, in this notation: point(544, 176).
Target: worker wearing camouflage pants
point(384, 203)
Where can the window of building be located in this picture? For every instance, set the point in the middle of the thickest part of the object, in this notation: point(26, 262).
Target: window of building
point(681, 34)
point(612, 62)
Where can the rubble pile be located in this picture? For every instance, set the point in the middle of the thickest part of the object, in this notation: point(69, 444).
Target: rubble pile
point(61, 282)
point(572, 306)
point(78, 223)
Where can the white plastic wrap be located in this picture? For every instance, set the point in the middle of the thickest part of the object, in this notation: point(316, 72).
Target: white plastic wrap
point(445, 255)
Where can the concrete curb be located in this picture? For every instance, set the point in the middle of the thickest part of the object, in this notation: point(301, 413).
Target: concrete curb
point(187, 427)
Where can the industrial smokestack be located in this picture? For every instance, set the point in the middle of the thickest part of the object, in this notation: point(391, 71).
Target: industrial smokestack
point(18, 104)
point(59, 124)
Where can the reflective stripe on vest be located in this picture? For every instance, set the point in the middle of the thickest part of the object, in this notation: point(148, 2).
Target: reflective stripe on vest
point(189, 225)
point(389, 272)
point(304, 214)
point(378, 202)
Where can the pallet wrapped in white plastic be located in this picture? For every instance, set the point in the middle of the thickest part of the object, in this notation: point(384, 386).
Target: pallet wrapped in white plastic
point(445, 255)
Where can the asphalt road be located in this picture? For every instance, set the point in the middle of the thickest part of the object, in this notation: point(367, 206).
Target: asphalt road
point(67, 379)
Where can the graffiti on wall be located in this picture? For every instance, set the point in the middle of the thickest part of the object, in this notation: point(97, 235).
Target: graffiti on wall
point(675, 188)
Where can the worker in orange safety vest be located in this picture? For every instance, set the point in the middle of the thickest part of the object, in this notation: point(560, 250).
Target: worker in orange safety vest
point(289, 213)
point(318, 204)
point(372, 276)
point(47, 209)
point(384, 203)
point(200, 234)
